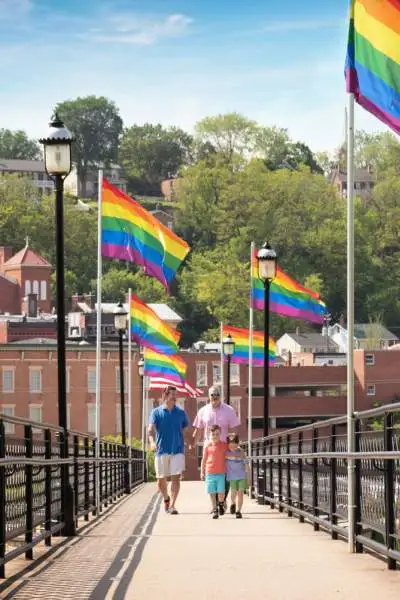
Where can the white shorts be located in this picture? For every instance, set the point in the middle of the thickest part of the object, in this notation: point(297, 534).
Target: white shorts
point(169, 464)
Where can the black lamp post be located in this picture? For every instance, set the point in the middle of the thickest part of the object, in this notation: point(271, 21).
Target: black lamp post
point(228, 346)
point(120, 324)
point(266, 259)
point(58, 164)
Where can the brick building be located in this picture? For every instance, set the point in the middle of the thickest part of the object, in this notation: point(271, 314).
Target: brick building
point(299, 395)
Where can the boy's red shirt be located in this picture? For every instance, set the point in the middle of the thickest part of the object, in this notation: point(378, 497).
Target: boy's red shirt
point(214, 458)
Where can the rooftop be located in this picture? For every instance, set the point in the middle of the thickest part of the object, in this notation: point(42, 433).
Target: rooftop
point(31, 166)
point(27, 258)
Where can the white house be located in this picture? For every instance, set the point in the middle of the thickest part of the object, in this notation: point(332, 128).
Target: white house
point(367, 336)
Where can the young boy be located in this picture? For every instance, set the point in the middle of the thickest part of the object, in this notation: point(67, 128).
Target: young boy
point(213, 470)
point(237, 470)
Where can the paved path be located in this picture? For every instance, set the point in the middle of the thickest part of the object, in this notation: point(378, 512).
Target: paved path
point(140, 553)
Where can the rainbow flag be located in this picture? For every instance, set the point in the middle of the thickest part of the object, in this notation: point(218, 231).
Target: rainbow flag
point(148, 330)
point(373, 58)
point(129, 232)
point(287, 296)
point(161, 365)
point(241, 337)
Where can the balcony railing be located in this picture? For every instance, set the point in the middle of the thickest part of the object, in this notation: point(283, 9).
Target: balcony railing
point(30, 482)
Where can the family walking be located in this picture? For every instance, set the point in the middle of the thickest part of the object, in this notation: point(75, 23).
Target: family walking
point(224, 464)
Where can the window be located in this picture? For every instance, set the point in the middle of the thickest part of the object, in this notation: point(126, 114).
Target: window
point(201, 402)
point(118, 419)
point(235, 403)
point(35, 414)
point(8, 380)
point(8, 409)
point(201, 374)
point(28, 288)
point(170, 224)
point(91, 381)
point(35, 380)
point(235, 374)
point(370, 360)
point(43, 290)
point(35, 288)
point(91, 410)
point(371, 390)
point(117, 381)
point(216, 373)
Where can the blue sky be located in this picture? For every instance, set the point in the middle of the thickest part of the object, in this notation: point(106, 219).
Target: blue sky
point(177, 61)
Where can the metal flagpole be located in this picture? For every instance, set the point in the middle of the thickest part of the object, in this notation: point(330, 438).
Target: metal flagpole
point(129, 388)
point(250, 392)
point(221, 336)
point(350, 324)
point(143, 402)
point(98, 340)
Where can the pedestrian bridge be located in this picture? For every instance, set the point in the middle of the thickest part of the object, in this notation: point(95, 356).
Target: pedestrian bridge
point(88, 526)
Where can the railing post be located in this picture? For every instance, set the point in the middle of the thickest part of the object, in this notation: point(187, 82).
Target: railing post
point(333, 465)
point(67, 492)
point(261, 477)
point(86, 484)
point(266, 495)
point(357, 486)
point(76, 476)
point(106, 471)
point(28, 491)
point(280, 499)
point(271, 474)
point(390, 519)
point(288, 476)
point(3, 486)
point(300, 451)
point(96, 474)
point(257, 453)
point(47, 485)
point(315, 477)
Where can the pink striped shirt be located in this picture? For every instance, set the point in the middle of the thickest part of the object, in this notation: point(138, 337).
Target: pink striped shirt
point(224, 416)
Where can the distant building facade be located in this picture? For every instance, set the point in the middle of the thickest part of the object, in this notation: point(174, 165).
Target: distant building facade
point(74, 186)
point(364, 182)
point(34, 169)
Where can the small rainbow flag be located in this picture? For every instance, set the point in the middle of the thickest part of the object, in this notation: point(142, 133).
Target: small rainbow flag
point(287, 296)
point(129, 232)
point(241, 337)
point(148, 330)
point(373, 58)
point(171, 367)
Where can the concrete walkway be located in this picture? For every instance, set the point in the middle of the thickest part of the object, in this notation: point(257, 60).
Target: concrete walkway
point(140, 553)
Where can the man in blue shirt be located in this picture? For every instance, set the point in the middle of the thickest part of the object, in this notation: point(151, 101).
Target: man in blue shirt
point(167, 423)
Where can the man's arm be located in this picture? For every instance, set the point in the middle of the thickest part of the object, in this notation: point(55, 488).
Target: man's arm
point(203, 463)
point(152, 435)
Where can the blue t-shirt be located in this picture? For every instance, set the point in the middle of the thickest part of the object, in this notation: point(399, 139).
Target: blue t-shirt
point(169, 428)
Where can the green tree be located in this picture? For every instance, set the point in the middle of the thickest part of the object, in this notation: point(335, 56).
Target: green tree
point(17, 145)
point(97, 127)
point(230, 134)
point(121, 276)
point(150, 154)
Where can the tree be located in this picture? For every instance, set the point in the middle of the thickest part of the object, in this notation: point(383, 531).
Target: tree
point(230, 134)
point(97, 126)
point(150, 154)
point(17, 145)
point(121, 276)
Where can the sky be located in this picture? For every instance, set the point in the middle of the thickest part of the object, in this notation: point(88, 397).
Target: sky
point(178, 61)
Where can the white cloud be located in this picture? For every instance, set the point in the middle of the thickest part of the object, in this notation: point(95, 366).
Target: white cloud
point(306, 25)
point(128, 29)
point(12, 9)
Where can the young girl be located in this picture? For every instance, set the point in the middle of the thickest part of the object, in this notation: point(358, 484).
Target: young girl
point(237, 470)
point(213, 470)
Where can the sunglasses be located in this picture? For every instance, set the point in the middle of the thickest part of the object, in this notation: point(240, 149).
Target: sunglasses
point(214, 395)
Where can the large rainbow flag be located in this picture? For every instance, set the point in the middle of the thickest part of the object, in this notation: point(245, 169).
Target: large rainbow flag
point(130, 232)
point(373, 58)
point(241, 337)
point(148, 330)
point(287, 296)
point(171, 367)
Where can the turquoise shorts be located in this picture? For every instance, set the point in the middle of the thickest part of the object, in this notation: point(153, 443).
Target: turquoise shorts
point(215, 483)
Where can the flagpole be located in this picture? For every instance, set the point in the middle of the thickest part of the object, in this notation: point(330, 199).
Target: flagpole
point(350, 323)
point(250, 386)
point(142, 401)
point(129, 388)
point(221, 334)
point(98, 341)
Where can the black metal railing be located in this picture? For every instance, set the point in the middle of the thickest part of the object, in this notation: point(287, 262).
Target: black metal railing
point(304, 471)
point(30, 482)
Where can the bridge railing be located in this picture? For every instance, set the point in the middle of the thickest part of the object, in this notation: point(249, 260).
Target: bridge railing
point(304, 472)
point(30, 482)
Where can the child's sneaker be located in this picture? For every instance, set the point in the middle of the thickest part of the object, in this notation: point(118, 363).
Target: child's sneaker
point(239, 515)
point(167, 503)
point(221, 508)
point(215, 514)
point(232, 509)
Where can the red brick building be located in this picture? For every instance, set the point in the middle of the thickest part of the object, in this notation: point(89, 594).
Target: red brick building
point(25, 277)
point(298, 395)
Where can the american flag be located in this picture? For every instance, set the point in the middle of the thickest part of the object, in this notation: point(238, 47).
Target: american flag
point(158, 383)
